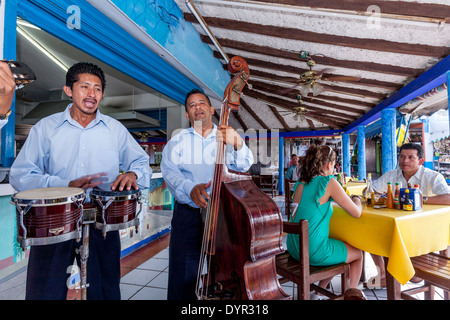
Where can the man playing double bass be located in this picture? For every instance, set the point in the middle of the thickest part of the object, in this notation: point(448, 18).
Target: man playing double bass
point(187, 167)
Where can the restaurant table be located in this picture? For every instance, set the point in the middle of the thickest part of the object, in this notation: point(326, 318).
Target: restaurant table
point(355, 187)
point(396, 235)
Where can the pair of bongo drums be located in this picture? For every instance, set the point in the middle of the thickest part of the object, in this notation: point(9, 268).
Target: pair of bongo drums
point(52, 215)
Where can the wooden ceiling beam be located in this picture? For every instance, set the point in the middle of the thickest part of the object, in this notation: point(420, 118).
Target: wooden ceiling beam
point(299, 71)
point(400, 8)
point(253, 114)
point(290, 106)
point(323, 120)
point(279, 117)
point(311, 124)
point(308, 36)
point(262, 86)
point(321, 60)
point(241, 122)
point(359, 92)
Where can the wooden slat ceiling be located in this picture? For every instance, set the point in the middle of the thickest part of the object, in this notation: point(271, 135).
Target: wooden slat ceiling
point(376, 47)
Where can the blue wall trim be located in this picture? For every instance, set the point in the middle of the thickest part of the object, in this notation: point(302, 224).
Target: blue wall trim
point(142, 243)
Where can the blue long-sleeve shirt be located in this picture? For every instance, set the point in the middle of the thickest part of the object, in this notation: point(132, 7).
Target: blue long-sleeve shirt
point(59, 150)
point(189, 159)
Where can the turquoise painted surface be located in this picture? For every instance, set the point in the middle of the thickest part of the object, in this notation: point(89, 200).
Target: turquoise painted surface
point(163, 21)
point(7, 228)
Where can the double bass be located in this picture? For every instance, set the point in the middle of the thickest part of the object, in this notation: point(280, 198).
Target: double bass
point(242, 225)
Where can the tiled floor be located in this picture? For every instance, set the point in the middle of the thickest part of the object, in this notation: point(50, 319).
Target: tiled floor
point(145, 272)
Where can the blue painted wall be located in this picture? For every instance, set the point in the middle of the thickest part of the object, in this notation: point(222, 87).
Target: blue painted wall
point(163, 21)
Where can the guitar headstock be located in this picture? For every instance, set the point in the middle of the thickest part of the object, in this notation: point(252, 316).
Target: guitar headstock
point(22, 73)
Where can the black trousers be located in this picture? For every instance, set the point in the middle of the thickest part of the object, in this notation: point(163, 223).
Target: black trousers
point(48, 268)
point(184, 252)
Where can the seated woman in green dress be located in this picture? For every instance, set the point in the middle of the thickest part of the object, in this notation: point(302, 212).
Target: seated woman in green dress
point(314, 194)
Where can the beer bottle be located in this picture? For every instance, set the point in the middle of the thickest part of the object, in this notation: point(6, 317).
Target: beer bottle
point(397, 202)
point(369, 195)
point(390, 197)
point(407, 204)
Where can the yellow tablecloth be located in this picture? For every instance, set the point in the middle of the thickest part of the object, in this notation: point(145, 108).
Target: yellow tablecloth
point(355, 187)
point(395, 234)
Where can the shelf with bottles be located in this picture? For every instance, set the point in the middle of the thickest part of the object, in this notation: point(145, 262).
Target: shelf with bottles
point(441, 157)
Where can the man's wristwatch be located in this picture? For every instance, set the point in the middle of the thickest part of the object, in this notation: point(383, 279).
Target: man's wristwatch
point(5, 116)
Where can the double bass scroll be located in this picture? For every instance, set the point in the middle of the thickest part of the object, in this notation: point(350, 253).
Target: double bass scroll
point(242, 225)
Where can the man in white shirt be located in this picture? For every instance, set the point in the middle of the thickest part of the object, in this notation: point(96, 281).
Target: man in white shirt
point(187, 166)
point(410, 170)
point(80, 147)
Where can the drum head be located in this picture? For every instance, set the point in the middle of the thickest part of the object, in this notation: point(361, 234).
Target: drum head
point(109, 193)
point(48, 196)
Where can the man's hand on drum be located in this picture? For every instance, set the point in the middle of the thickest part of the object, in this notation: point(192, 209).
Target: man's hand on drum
point(126, 181)
point(89, 181)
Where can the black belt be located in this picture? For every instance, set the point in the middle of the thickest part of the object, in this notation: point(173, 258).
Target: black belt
point(184, 205)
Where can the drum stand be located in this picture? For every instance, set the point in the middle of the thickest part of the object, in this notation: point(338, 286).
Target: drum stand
point(88, 218)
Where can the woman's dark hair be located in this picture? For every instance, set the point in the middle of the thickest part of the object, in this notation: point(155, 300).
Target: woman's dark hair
point(315, 158)
point(84, 67)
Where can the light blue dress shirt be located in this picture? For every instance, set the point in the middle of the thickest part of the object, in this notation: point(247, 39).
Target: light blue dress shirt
point(59, 150)
point(189, 159)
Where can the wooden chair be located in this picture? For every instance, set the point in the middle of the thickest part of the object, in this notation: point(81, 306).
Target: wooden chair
point(304, 275)
point(288, 196)
point(434, 269)
point(269, 184)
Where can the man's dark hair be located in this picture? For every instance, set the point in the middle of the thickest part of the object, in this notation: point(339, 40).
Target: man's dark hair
point(194, 91)
point(413, 146)
point(73, 73)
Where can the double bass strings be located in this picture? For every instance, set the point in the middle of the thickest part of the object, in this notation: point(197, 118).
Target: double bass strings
point(209, 234)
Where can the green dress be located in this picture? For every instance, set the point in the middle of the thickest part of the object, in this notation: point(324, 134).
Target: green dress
point(323, 251)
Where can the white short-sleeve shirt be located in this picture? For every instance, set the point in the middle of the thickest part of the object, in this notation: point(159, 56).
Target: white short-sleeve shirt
point(430, 182)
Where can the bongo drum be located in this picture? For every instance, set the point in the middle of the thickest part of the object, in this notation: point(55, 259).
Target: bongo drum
point(116, 209)
point(48, 215)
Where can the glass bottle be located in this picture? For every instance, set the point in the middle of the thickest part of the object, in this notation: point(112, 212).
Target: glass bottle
point(397, 201)
point(416, 186)
point(369, 194)
point(390, 197)
point(407, 204)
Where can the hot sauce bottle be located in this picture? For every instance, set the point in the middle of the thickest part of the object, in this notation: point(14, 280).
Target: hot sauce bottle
point(390, 197)
point(397, 204)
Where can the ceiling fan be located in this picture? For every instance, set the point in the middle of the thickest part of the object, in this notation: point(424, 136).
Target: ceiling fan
point(299, 111)
point(308, 81)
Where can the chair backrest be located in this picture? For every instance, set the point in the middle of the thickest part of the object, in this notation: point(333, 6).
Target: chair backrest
point(300, 228)
point(288, 195)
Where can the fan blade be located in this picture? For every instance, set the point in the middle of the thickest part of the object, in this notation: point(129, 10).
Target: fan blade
point(343, 78)
point(287, 90)
point(321, 72)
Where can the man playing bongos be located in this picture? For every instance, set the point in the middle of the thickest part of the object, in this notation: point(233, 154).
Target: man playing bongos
point(80, 148)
